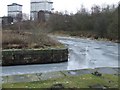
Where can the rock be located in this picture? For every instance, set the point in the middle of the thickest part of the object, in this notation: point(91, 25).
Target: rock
point(72, 73)
point(57, 86)
point(96, 73)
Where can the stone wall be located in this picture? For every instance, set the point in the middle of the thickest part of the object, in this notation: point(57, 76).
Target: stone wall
point(25, 57)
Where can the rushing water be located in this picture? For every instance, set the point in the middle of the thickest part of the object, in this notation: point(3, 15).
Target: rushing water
point(83, 53)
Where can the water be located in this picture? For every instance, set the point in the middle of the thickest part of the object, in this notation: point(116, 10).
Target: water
point(83, 53)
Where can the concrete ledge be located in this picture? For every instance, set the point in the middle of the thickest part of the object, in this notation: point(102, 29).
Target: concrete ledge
point(36, 56)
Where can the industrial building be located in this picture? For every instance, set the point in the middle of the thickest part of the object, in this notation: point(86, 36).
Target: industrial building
point(6, 21)
point(15, 11)
point(40, 5)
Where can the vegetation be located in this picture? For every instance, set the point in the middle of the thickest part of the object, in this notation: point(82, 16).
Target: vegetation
point(98, 23)
point(12, 39)
point(83, 81)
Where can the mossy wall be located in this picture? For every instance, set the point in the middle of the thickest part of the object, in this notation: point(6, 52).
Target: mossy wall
point(25, 57)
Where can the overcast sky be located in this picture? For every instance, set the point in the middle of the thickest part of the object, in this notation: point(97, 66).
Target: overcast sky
point(59, 5)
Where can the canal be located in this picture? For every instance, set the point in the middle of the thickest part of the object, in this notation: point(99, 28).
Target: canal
point(83, 53)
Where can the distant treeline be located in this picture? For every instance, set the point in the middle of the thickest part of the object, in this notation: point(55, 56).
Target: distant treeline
point(101, 22)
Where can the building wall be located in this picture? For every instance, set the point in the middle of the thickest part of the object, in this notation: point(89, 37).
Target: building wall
point(14, 14)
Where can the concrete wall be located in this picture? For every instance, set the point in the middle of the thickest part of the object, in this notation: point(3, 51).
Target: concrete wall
point(24, 57)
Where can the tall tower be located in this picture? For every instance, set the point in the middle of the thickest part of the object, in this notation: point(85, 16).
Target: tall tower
point(40, 5)
point(15, 11)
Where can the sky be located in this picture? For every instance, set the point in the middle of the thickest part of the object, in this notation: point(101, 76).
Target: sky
point(59, 5)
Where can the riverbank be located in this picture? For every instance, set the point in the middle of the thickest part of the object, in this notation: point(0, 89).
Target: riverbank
point(85, 78)
point(84, 35)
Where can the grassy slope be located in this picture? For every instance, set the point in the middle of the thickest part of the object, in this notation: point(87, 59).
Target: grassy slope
point(83, 81)
point(26, 39)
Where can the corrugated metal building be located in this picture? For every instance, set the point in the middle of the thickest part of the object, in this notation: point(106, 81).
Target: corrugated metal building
point(40, 5)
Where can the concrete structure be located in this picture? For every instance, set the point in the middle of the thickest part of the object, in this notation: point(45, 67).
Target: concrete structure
point(43, 16)
point(15, 10)
point(34, 56)
point(40, 5)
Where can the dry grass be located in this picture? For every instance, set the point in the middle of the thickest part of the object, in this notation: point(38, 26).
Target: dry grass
point(22, 39)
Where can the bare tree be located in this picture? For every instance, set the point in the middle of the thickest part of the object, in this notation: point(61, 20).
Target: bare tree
point(18, 19)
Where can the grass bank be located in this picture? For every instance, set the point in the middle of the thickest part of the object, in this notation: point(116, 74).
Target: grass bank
point(82, 34)
point(14, 39)
point(82, 81)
